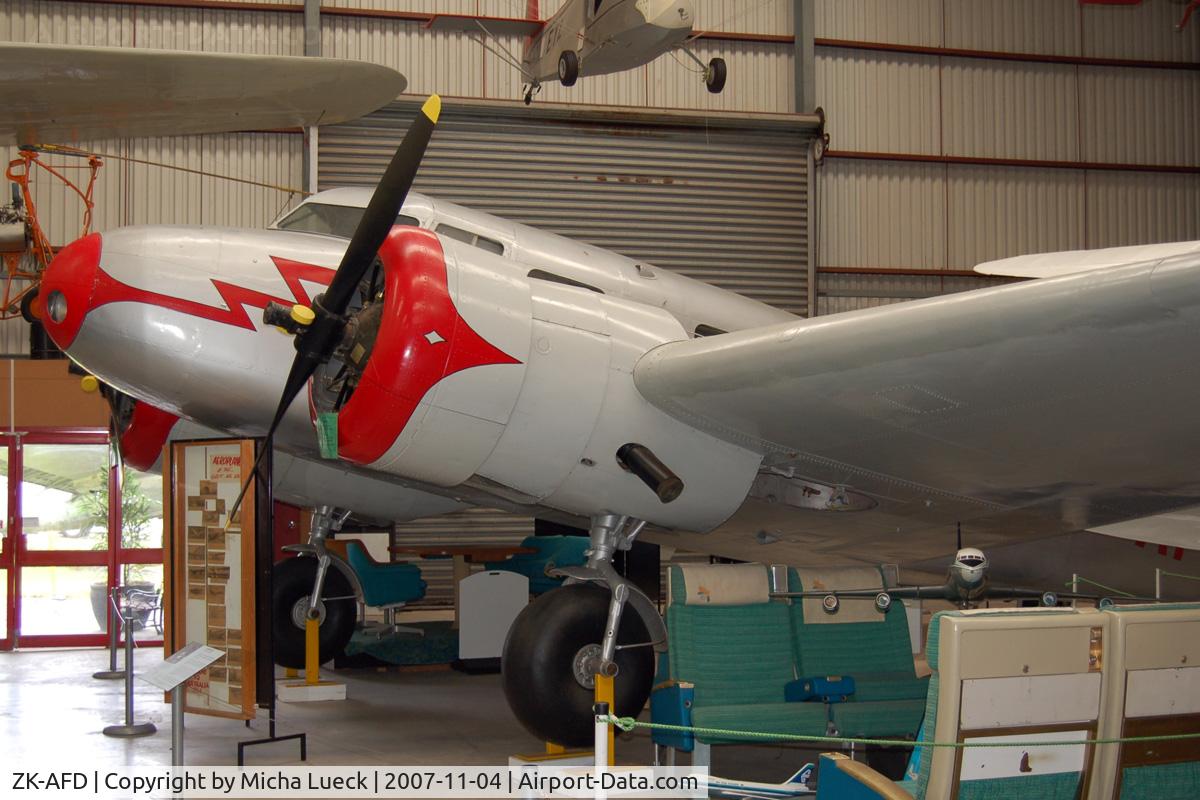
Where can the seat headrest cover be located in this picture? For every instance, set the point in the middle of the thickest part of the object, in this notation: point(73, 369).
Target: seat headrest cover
point(725, 584)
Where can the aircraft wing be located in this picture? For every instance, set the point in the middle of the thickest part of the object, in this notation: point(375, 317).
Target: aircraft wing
point(1035, 408)
point(57, 93)
point(1049, 265)
point(492, 26)
point(897, 592)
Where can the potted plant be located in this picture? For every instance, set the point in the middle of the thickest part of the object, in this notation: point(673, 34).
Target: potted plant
point(137, 509)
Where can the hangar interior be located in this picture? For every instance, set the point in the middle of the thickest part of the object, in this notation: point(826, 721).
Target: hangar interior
point(862, 154)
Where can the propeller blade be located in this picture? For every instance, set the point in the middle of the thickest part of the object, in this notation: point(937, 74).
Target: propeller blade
point(316, 342)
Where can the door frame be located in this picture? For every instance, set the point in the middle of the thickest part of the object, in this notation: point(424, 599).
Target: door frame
point(113, 558)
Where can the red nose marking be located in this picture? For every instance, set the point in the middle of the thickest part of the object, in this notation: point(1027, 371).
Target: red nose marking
point(66, 291)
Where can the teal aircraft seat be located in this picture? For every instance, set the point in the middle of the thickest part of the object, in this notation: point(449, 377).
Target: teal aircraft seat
point(729, 661)
point(552, 552)
point(1018, 676)
point(876, 651)
point(386, 586)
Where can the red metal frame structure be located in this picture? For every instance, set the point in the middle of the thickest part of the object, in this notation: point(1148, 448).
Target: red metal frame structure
point(16, 556)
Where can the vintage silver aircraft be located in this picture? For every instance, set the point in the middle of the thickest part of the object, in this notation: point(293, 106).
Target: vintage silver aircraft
point(594, 37)
point(480, 362)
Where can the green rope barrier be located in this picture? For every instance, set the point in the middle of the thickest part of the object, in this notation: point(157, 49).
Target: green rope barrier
point(1180, 575)
point(1099, 585)
point(627, 724)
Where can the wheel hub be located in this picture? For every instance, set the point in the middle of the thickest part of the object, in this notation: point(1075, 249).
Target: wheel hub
point(584, 665)
point(300, 612)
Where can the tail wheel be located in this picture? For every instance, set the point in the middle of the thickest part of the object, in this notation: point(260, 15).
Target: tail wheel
point(293, 583)
point(543, 675)
point(568, 67)
point(714, 76)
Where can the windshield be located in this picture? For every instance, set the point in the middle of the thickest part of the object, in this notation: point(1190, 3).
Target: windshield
point(327, 220)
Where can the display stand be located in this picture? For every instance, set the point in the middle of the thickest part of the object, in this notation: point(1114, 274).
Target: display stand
point(171, 675)
point(220, 568)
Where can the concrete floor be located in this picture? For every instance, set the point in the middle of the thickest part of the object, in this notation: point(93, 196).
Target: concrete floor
point(50, 705)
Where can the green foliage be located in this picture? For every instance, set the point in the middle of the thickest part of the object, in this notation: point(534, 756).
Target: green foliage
point(137, 509)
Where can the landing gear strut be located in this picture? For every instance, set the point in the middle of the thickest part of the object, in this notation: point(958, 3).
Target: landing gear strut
point(566, 637)
point(306, 587)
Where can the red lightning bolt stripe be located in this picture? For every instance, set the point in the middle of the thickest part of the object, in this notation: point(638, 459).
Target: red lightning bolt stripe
point(110, 290)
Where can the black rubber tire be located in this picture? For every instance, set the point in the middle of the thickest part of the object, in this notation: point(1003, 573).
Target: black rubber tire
point(293, 579)
point(714, 78)
point(539, 682)
point(568, 67)
point(27, 307)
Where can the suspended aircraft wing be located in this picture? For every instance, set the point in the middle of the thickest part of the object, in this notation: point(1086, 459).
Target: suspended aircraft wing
point(1035, 408)
point(1049, 265)
point(492, 26)
point(56, 93)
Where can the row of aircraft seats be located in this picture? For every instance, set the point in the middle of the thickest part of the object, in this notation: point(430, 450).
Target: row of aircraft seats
point(735, 657)
point(1044, 675)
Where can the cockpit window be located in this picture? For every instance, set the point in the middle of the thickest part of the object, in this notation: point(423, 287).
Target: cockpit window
point(970, 561)
point(328, 220)
point(482, 242)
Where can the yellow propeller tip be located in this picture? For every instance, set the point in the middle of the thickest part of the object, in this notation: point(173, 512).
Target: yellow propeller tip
point(432, 108)
point(89, 383)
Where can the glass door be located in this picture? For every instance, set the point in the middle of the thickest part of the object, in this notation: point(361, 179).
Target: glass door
point(64, 543)
point(7, 595)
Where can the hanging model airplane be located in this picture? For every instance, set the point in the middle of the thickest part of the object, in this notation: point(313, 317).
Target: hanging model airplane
point(966, 586)
point(593, 37)
point(485, 363)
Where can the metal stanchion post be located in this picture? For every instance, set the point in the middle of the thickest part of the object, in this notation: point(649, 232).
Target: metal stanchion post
point(1158, 583)
point(177, 726)
point(130, 728)
point(601, 747)
point(113, 626)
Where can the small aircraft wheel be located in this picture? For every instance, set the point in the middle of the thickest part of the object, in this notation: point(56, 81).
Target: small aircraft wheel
point(883, 601)
point(568, 67)
point(293, 582)
point(543, 672)
point(830, 603)
point(27, 307)
point(714, 76)
point(1049, 599)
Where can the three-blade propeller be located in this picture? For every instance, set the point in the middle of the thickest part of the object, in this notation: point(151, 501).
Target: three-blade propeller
point(319, 333)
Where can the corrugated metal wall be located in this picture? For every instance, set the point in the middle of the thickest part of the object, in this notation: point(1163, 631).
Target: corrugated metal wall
point(477, 526)
point(907, 216)
point(724, 203)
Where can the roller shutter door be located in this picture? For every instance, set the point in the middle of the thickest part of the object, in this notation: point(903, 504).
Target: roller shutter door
point(726, 203)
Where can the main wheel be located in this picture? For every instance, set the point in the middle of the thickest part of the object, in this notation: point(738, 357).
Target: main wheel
point(293, 582)
point(568, 67)
point(549, 642)
point(714, 76)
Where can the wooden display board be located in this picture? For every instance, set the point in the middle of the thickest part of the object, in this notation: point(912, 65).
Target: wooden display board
point(209, 571)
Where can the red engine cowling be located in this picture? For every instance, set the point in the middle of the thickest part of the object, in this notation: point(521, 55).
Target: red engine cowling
point(482, 376)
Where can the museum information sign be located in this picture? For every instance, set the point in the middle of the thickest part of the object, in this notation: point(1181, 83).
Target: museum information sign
point(211, 566)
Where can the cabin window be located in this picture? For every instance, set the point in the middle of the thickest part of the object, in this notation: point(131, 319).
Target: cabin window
point(708, 330)
point(474, 239)
point(543, 275)
point(329, 220)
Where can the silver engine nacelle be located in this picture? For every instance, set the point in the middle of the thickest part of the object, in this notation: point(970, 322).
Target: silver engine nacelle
point(523, 387)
